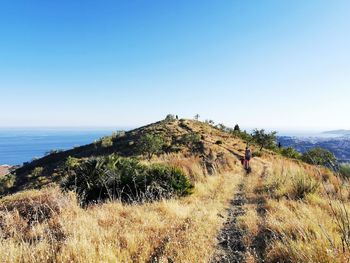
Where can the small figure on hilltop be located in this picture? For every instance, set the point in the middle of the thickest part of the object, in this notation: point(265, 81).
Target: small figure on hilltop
point(247, 157)
point(177, 117)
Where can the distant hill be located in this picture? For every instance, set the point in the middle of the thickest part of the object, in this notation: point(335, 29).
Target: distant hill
point(338, 132)
point(339, 146)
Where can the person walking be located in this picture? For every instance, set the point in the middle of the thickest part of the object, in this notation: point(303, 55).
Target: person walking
point(247, 157)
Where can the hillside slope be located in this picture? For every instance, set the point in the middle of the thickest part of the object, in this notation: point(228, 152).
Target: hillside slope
point(125, 144)
point(284, 211)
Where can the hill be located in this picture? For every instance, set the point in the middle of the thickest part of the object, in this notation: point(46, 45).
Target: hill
point(126, 144)
point(283, 211)
point(338, 132)
point(339, 146)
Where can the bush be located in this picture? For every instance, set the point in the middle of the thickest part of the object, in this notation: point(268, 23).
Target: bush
point(118, 134)
point(192, 141)
point(344, 170)
point(126, 179)
point(218, 142)
point(319, 156)
point(36, 172)
point(72, 162)
point(290, 152)
point(245, 136)
point(106, 141)
point(303, 185)
point(263, 139)
point(169, 118)
point(6, 183)
point(150, 144)
point(35, 206)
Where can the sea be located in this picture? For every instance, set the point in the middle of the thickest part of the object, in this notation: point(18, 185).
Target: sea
point(19, 145)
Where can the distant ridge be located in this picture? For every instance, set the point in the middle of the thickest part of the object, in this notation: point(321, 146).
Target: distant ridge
point(338, 132)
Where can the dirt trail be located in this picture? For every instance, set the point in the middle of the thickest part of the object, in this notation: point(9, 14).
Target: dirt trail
point(260, 241)
point(231, 247)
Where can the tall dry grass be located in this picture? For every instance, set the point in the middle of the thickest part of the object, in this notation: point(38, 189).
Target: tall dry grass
point(306, 216)
point(58, 230)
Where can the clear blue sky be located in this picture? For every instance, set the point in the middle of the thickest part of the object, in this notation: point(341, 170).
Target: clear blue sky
point(272, 64)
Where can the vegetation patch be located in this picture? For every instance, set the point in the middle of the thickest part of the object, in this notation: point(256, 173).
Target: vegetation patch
point(344, 170)
point(6, 183)
point(319, 156)
point(303, 185)
point(150, 144)
point(126, 179)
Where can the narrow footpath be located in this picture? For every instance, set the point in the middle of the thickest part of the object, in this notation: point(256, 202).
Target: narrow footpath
point(231, 247)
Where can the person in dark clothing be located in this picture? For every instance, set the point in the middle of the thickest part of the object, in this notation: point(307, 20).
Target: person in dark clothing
point(247, 157)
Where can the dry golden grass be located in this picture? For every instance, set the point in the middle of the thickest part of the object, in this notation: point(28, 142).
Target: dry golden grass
point(191, 165)
point(182, 230)
point(298, 228)
point(303, 233)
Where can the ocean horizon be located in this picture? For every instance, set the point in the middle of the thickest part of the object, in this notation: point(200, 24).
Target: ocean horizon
point(19, 145)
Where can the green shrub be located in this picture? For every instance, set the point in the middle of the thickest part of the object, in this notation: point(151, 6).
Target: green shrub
point(319, 156)
point(126, 179)
point(263, 139)
point(72, 162)
point(150, 144)
point(245, 136)
point(344, 170)
point(6, 183)
point(303, 185)
point(118, 134)
point(290, 152)
point(106, 141)
point(218, 142)
point(192, 141)
point(36, 172)
point(169, 118)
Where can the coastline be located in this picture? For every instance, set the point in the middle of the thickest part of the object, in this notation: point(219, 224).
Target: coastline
point(5, 169)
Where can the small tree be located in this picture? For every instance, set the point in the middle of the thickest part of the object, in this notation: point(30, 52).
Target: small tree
point(221, 126)
point(263, 139)
point(236, 128)
point(192, 140)
point(169, 118)
point(196, 117)
point(290, 152)
point(319, 156)
point(150, 144)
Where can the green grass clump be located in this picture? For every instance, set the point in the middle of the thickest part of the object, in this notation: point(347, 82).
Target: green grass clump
point(303, 185)
point(6, 183)
point(126, 179)
point(344, 170)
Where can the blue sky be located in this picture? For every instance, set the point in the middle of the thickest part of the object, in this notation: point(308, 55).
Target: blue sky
point(272, 64)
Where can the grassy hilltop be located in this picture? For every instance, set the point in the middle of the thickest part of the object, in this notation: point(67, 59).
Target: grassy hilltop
point(173, 191)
